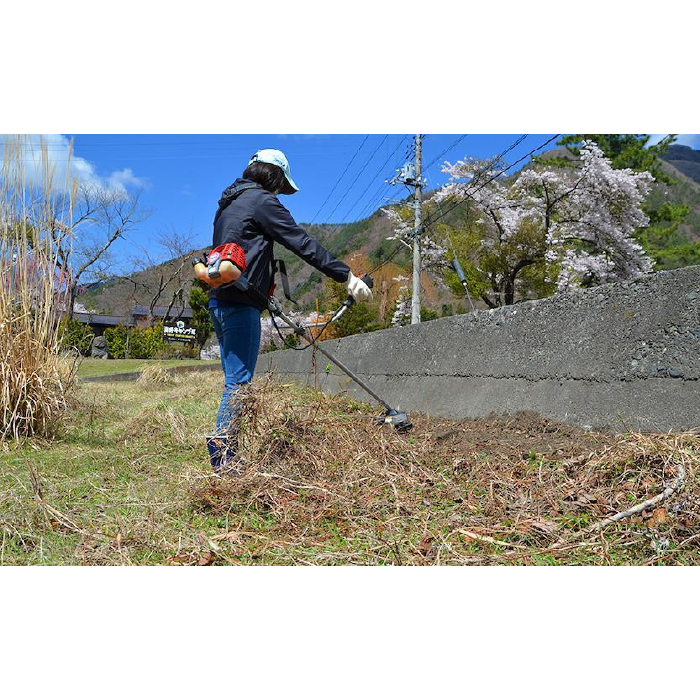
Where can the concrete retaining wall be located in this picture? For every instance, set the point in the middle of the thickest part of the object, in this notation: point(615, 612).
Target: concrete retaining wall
point(617, 357)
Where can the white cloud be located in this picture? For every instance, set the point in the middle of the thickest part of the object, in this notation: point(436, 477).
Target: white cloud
point(125, 179)
point(69, 167)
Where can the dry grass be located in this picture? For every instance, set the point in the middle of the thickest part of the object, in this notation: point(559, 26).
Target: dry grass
point(34, 378)
point(155, 375)
point(458, 493)
point(128, 483)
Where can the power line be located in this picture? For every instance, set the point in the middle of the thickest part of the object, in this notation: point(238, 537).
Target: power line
point(410, 152)
point(121, 144)
point(339, 179)
point(337, 227)
point(434, 219)
point(362, 169)
point(381, 167)
point(449, 148)
point(380, 190)
point(384, 187)
point(483, 171)
point(373, 200)
point(35, 155)
point(389, 258)
point(442, 214)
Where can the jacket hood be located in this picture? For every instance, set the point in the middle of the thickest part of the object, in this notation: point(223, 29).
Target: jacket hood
point(230, 192)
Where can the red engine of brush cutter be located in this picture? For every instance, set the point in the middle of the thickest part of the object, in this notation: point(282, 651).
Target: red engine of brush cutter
point(221, 266)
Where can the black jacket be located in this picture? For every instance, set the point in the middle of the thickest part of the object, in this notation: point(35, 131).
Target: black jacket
point(255, 219)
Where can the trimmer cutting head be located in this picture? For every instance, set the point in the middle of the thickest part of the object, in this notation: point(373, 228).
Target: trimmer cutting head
point(398, 419)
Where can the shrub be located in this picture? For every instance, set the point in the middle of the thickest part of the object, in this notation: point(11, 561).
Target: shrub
point(291, 341)
point(201, 320)
point(145, 343)
point(76, 335)
point(136, 343)
point(116, 342)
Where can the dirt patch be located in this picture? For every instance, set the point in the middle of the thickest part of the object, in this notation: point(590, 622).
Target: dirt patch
point(521, 435)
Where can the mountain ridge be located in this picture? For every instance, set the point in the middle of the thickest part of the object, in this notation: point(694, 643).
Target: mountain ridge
point(685, 160)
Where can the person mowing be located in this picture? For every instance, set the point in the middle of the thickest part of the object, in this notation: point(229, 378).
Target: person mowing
point(251, 216)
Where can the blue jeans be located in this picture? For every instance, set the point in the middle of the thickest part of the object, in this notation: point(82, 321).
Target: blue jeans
point(237, 328)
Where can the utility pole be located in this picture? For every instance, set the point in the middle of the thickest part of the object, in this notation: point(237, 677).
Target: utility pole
point(418, 204)
point(411, 176)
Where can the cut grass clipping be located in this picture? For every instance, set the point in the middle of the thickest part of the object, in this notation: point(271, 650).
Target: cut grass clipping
point(128, 482)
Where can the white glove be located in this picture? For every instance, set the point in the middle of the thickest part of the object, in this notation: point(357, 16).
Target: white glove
point(358, 289)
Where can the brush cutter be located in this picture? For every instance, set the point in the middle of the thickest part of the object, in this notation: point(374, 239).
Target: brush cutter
point(398, 419)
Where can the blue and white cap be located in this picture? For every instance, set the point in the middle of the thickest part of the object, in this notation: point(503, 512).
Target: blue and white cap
point(274, 157)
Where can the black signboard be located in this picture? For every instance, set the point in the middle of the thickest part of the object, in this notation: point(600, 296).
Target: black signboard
point(179, 332)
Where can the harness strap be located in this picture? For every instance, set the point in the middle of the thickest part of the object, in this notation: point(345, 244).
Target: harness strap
point(279, 266)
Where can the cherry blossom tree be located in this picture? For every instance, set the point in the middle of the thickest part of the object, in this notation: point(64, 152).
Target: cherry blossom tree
point(433, 257)
point(402, 307)
point(574, 224)
point(432, 252)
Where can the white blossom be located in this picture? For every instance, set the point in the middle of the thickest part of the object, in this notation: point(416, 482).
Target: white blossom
point(402, 309)
point(588, 214)
point(432, 252)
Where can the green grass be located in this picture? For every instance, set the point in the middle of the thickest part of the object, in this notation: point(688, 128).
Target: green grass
point(90, 367)
point(115, 472)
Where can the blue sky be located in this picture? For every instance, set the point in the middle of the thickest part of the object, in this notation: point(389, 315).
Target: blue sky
point(692, 140)
point(181, 176)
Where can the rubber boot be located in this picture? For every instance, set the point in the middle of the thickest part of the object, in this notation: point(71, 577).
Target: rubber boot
point(223, 450)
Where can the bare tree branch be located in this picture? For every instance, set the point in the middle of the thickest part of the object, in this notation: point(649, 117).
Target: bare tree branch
point(100, 217)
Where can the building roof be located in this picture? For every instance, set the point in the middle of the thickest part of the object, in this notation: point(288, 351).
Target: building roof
point(99, 319)
point(160, 311)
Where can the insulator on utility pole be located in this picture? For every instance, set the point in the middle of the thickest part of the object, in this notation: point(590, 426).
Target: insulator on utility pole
point(460, 272)
point(418, 204)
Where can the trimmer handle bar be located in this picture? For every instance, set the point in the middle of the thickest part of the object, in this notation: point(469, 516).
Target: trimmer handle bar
point(351, 300)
